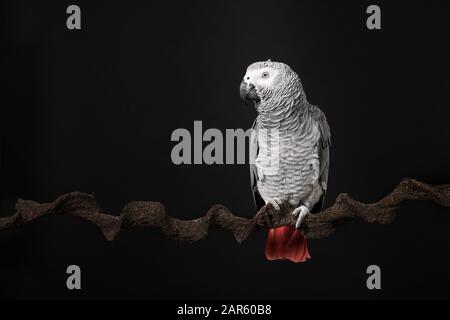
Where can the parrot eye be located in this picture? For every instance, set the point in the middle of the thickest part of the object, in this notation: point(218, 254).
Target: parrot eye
point(265, 75)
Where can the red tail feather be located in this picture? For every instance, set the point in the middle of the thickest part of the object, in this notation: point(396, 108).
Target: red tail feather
point(286, 243)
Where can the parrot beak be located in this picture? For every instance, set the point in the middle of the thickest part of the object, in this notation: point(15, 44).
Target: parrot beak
point(248, 92)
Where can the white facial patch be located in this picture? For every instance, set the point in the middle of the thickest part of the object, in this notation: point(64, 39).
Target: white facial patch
point(264, 77)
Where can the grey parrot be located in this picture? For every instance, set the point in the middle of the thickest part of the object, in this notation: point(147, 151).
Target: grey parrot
point(289, 152)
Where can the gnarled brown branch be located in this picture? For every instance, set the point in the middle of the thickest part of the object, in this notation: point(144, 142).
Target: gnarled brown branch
point(154, 214)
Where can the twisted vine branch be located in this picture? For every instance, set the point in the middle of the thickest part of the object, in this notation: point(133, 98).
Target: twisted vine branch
point(154, 214)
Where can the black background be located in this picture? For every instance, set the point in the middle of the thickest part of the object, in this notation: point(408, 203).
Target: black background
point(93, 110)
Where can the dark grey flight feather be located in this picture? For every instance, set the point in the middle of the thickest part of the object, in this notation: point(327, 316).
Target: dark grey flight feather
point(323, 146)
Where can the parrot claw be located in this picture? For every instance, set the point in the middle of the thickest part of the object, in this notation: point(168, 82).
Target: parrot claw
point(302, 212)
point(275, 202)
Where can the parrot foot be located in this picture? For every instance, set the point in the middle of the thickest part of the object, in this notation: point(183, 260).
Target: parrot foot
point(302, 211)
point(275, 202)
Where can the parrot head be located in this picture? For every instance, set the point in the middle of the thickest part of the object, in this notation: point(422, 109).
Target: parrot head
point(271, 86)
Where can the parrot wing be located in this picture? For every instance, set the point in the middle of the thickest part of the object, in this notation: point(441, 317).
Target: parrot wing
point(254, 149)
point(323, 147)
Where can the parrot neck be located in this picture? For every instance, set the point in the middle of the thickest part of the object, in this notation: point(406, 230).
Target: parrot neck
point(288, 115)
